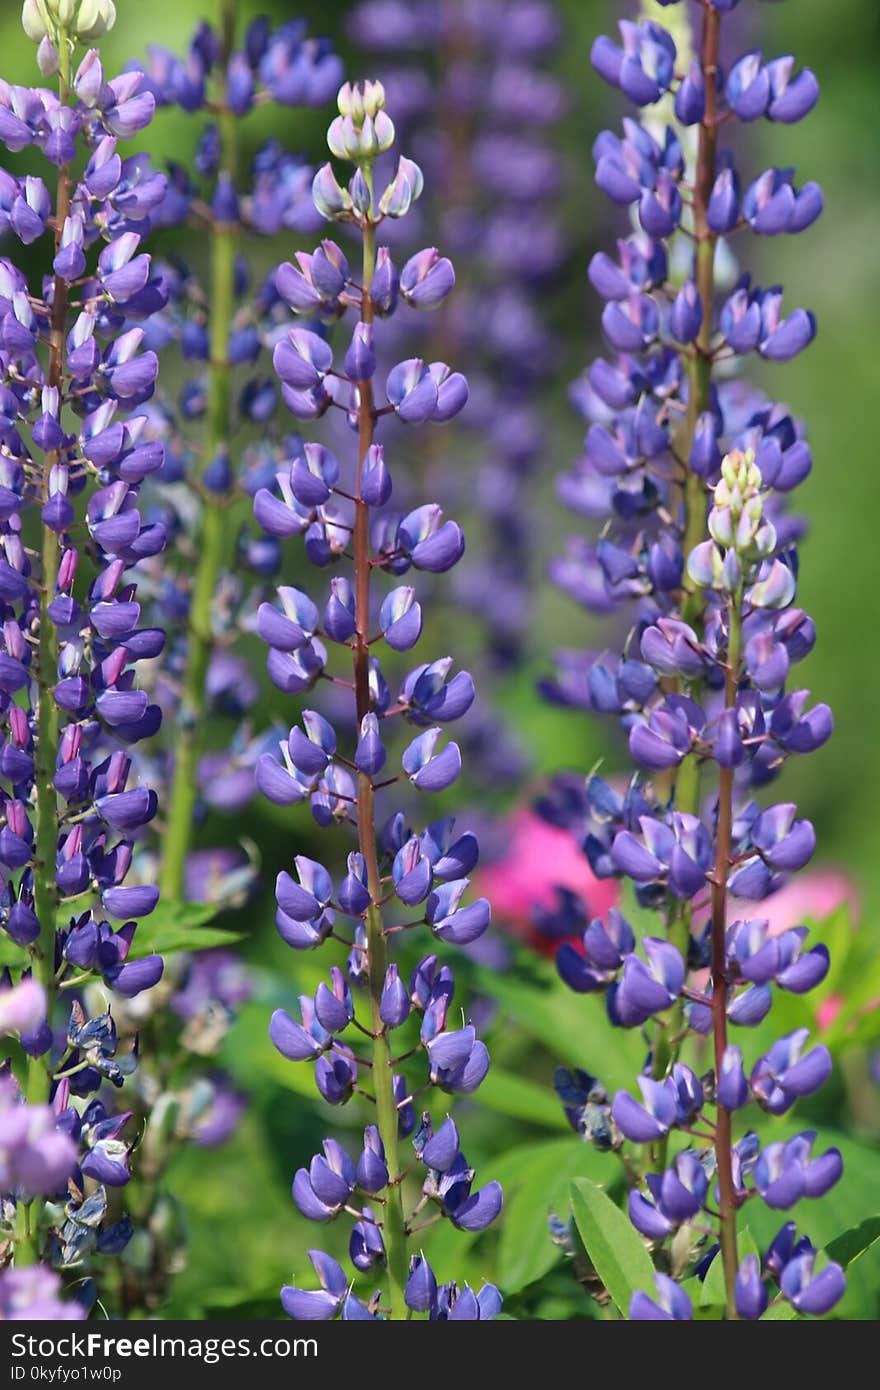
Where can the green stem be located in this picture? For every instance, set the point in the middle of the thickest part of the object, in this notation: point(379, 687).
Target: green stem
point(38, 1076)
point(211, 535)
point(394, 1227)
point(26, 1235)
point(46, 829)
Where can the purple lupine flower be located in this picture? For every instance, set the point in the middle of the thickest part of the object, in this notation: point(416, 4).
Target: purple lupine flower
point(785, 1172)
point(751, 1295)
point(36, 1158)
point(33, 1293)
point(676, 1197)
point(808, 1291)
point(427, 870)
point(672, 1303)
point(71, 644)
point(324, 1303)
point(685, 477)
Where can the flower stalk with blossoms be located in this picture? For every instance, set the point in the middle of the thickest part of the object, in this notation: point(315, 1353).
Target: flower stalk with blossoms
point(72, 374)
point(343, 516)
point(688, 471)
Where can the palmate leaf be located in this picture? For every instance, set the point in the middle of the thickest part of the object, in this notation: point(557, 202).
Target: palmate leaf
point(616, 1251)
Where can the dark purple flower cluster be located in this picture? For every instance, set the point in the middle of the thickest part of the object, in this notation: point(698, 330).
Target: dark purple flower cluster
point(686, 476)
point(340, 511)
point(221, 324)
point(75, 370)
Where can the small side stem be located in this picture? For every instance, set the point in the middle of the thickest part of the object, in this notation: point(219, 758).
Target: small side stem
point(211, 535)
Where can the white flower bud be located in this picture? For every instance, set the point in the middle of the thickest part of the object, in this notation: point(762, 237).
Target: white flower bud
point(349, 102)
point(373, 98)
point(63, 11)
point(95, 18)
point(721, 525)
point(765, 540)
point(35, 21)
point(361, 99)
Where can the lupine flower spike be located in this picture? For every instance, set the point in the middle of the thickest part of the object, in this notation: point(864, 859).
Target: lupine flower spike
point(75, 370)
point(398, 878)
point(688, 472)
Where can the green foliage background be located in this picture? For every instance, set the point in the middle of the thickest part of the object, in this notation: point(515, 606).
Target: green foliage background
point(245, 1235)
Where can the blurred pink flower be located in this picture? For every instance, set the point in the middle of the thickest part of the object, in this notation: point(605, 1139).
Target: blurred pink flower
point(811, 895)
point(828, 1010)
point(540, 858)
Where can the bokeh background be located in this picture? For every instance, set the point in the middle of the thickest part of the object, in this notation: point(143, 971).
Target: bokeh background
point(244, 1236)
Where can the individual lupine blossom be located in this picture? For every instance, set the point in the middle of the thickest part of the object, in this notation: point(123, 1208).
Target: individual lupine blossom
point(221, 317)
point(74, 374)
point(412, 1034)
point(686, 477)
point(479, 122)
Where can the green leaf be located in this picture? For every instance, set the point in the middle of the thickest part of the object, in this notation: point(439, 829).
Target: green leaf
point(709, 1312)
point(178, 926)
point(12, 954)
point(779, 1312)
point(536, 1184)
point(847, 1248)
point(172, 926)
point(573, 1027)
point(522, 1099)
point(618, 1255)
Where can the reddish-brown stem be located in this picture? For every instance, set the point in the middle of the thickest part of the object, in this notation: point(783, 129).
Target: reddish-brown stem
point(728, 1201)
point(383, 1080)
